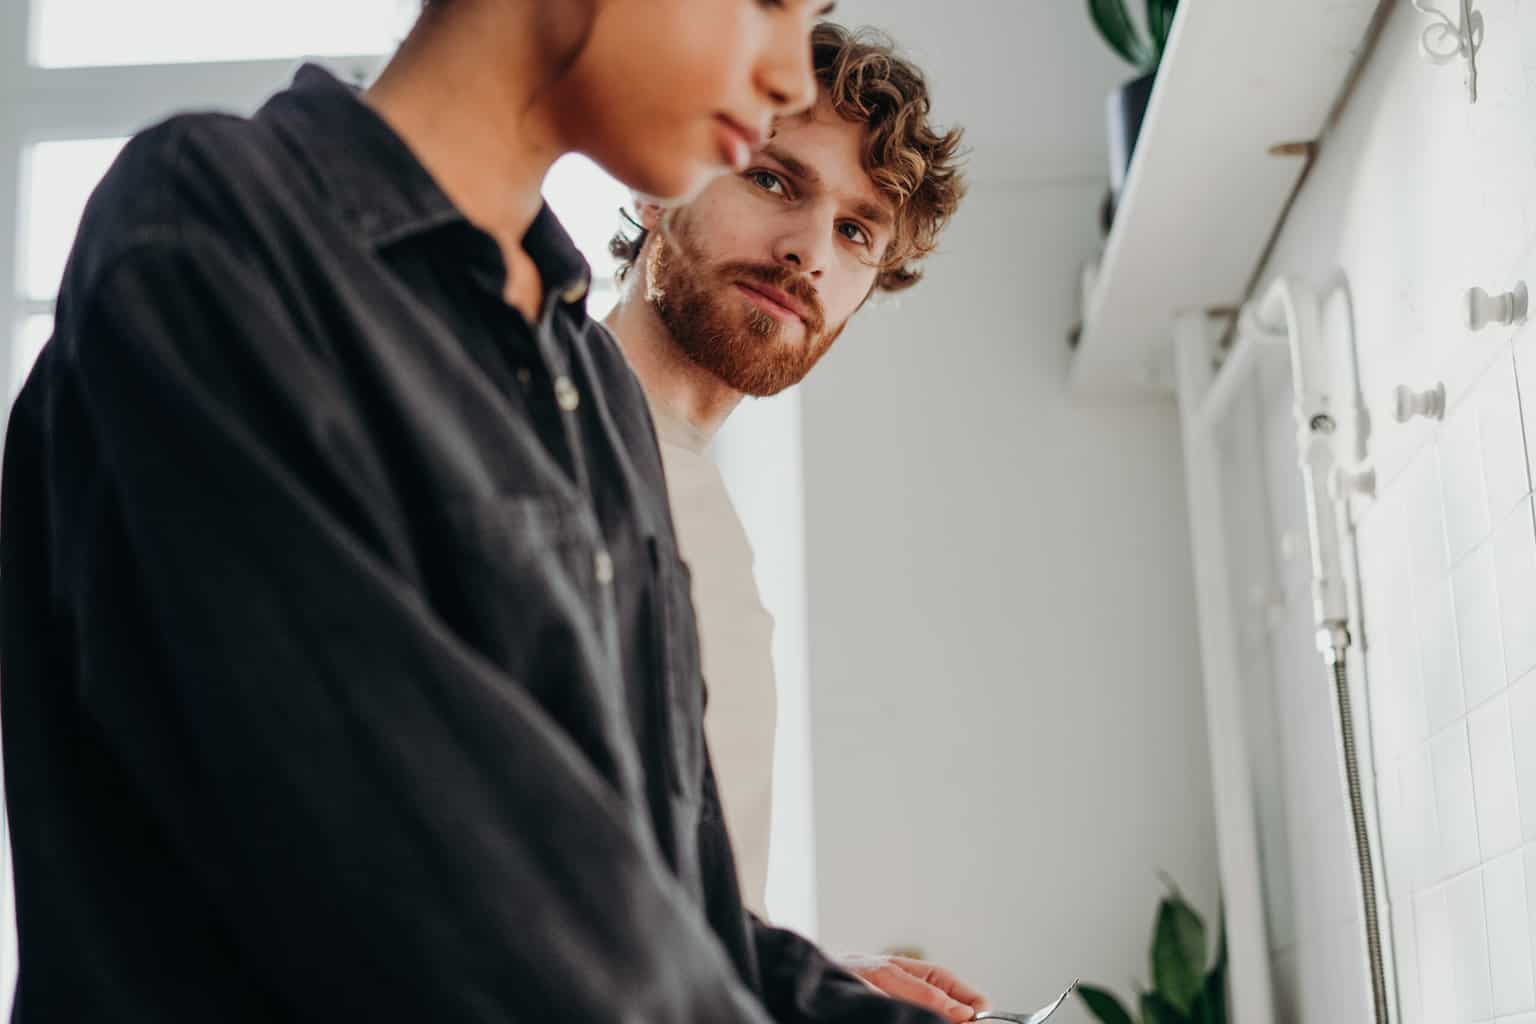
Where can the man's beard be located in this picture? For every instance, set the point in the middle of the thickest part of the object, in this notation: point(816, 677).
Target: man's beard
point(750, 350)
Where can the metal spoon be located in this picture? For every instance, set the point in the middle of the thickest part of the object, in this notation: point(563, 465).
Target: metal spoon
point(1038, 1017)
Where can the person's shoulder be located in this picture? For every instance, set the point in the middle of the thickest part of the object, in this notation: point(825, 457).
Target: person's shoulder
point(601, 339)
point(181, 177)
point(622, 391)
point(178, 245)
point(607, 356)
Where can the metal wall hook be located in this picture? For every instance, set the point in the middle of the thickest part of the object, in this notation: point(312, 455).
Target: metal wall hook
point(1448, 39)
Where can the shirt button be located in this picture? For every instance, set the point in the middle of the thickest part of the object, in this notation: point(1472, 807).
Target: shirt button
point(603, 563)
point(566, 394)
point(524, 377)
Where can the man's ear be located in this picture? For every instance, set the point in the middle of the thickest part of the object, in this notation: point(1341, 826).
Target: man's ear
point(649, 211)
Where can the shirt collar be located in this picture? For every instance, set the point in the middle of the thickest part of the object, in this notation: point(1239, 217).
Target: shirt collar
point(379, 186)
point(675, 430)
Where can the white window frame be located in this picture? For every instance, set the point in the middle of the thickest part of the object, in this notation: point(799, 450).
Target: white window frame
point(52, 104)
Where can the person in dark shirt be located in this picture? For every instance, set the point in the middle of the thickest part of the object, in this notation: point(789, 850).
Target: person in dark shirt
point(350, 670)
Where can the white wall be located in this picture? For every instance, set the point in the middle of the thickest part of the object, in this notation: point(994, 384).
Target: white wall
point(1416, 197)
point(1007, 726)
point(1028, 80)
point(760, 454)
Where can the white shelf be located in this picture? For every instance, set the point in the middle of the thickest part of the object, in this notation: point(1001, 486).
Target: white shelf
point(1204, 193)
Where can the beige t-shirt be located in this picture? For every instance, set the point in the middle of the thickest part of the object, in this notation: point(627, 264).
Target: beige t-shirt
point(736, 646)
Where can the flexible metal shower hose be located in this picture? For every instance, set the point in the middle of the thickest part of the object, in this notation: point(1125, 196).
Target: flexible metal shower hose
point(1362, 841)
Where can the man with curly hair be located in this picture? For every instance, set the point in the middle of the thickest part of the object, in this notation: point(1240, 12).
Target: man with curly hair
point(740, 292)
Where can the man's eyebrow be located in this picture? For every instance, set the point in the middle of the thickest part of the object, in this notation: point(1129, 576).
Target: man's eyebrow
point(826, 11)
point(879, 216)
point(876, 214)
point(794, 166)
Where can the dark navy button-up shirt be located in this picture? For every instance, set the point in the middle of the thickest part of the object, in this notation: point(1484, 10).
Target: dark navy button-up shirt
point(349, 666)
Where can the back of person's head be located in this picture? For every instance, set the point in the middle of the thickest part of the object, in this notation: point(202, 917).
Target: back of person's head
point(915, 165)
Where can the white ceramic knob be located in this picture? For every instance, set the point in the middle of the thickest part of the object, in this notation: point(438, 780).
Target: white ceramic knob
point(1429, 404)
point(1505, 308)
point(1359, 482)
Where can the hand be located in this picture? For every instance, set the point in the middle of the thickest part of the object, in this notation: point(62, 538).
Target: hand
point(917, 981)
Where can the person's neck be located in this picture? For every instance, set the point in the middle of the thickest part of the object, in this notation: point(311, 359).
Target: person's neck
point(676, 384)
point(451, 94)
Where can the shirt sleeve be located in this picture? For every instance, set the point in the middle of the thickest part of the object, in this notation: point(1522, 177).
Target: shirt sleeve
point(798, 983)
point(802, 985)
point(388, 826)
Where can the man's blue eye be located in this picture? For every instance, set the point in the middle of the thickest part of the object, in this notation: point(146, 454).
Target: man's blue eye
point(766, 181)
point(862, 237)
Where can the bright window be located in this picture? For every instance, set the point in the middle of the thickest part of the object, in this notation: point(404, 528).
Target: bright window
point(587, 202)
point(34, 331)
point(57, 179)
point(75, 33)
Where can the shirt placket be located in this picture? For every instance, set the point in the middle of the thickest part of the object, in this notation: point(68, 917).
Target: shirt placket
point(556, 356)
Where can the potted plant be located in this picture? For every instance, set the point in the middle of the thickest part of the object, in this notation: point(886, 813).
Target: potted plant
point(1183, 990)
point(1128, 104)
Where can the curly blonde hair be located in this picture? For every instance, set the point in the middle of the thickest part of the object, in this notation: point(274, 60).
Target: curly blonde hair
point(913, 164)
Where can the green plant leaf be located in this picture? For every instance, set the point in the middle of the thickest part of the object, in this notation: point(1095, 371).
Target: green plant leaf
point(1103, 1005)
point(1154, 22)
point(1211, 1006)
point(1178, 953)
point(1159, 24)
point(1221, 941)
point(1114, 24)
point(1157, 1010)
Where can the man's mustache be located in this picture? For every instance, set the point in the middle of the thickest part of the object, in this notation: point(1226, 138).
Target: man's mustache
point(785, 280)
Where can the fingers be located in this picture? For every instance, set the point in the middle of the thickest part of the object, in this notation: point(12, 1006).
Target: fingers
point(942, 979)
point(895, 980)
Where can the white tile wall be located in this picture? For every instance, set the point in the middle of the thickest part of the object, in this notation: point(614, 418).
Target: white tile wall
point(1514, 546)
point(1422, 820)
point(1461, 477)
point(1522, 721)
point(1439, 651)
point(1437, 956)
point(1394, 641)
point(1452, 759)
point(1530, 900)
point(1493, 778)
point(1397, 833)
point(1505, 473)
point(1478, 627)
point(1469, 947)
point(1425, 511)
point(1418, 197)
point(1406, 944)
point(1525, 386)
point(1509, 935)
